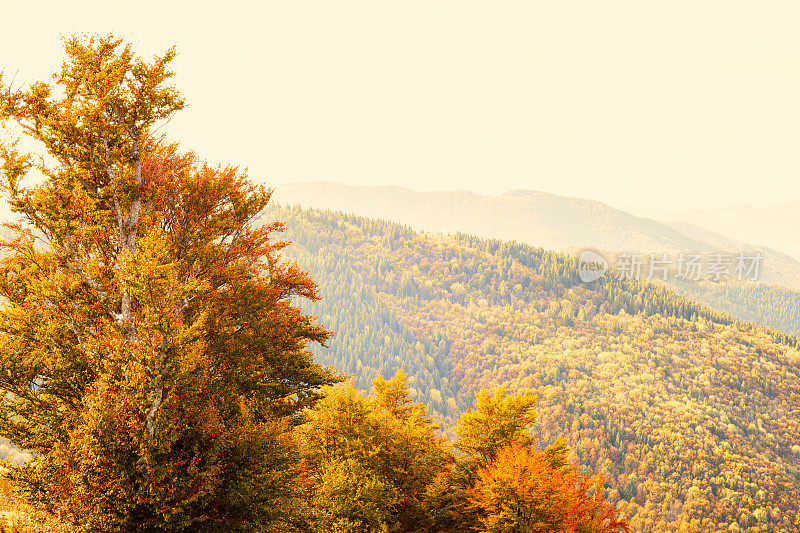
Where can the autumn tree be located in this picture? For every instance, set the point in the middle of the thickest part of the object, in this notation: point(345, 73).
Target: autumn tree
point(506, 485)
point(498, 420)
point(151, 356)
point(369, 461)
point(521, 492)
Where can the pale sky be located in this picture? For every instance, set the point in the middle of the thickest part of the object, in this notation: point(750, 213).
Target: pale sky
point(672, 105)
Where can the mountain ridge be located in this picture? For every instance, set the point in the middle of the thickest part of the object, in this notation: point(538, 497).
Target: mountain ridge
point(774, 226)
point(361, 200)
point(534, 217)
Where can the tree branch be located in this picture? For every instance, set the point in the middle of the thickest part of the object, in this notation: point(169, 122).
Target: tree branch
point(98, 290)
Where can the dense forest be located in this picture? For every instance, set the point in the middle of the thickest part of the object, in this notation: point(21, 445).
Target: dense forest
point(573, 225)
point(689, 413)
point(771, 305)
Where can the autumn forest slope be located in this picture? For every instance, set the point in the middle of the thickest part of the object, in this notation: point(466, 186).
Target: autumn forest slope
point(571, 225)
point(692, 414)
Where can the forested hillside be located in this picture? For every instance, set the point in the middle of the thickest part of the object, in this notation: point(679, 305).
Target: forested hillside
point(693, 414)
point(772, 305)
point(548, 220)
point(554, 222)
point(572, 224)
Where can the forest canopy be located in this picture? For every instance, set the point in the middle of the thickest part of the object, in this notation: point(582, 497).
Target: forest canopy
point(690, 414)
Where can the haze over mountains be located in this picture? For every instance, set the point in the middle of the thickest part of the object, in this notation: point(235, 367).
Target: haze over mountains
point(547, 220)
point(775, 226)
point(550, 221)
point(790, 208)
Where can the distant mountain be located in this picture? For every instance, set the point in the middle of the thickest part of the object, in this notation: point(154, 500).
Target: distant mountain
point(776, 226)
point(537, 218)
point(547, 220)
point(691, 415)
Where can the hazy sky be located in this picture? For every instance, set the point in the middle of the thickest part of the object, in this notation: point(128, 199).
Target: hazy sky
point(660, 104)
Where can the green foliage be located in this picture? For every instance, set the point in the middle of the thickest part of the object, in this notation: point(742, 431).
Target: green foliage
point(772, 305)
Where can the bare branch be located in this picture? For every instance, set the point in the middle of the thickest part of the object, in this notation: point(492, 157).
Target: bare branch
point(77, 333)
point(77, 268)
point(151, 414)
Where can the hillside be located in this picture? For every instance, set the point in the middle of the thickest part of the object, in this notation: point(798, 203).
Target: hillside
point(772, 305)
point(547, 220)
point(568, 224)
point(692, 413)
